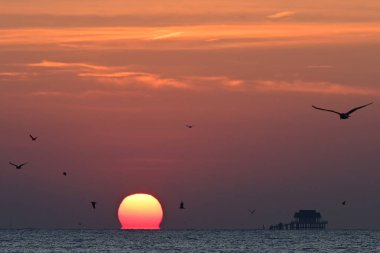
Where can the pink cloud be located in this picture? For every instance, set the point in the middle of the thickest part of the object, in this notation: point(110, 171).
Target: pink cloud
point(283, 14)
point(320, 67)
point(197, 37)
point(166, 36)
point(126, 78)
point(117, 75)
point(14, 75)
point(221, 80)
point(53, 64)
point(314, 87)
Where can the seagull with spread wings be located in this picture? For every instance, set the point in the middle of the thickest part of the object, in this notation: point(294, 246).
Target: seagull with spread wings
point(32, 137)
point(18, 166)
point(343, 115)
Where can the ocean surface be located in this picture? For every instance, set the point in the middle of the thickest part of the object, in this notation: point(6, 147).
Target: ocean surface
point(35, 240)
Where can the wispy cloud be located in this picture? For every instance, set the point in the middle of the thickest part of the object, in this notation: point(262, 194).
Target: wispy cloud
point(11, 74)
point(130, 78)
point(283, 14)
point(54, 64)
point(212, 40)
point(271, 34)
point(320, 67)
point(14, 75)
point(125, 76)
point(118, 75)
point(221, 81)
point(189, 37)
point(166, 36)
point(50, 93)
point(111, 75)
point(86, 94)
point(314, 87)
point(157, 81)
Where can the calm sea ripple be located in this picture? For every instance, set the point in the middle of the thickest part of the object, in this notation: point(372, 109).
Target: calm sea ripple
point(34, 240)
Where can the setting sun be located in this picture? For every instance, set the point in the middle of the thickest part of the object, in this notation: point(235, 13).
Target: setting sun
point(140, 211)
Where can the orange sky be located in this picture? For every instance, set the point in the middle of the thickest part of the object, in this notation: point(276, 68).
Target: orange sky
point(109, 85)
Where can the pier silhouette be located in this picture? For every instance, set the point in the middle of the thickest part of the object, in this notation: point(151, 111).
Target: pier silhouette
point(303, 219)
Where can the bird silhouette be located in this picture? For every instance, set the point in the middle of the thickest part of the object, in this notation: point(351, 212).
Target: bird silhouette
point(32, 137)
point(17, 166)
point(344, 115)
point(343, 203)
point(252, 211)
point(182, 206)
point(189, 126)
point(93, 203)
point(64, 173)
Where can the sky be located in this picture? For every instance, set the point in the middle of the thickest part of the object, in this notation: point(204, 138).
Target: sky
point(109, 85)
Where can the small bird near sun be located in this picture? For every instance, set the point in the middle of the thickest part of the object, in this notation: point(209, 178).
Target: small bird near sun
point(18, 166)
point(34, 138)
point(140, 211)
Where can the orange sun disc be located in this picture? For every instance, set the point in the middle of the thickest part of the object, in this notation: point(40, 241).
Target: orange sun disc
point(140, 211)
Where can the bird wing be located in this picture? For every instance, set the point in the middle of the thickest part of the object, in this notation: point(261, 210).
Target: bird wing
point(12, 164)
point(31, 136)
point(357, 108)
point(327, 110)
point(23, 164)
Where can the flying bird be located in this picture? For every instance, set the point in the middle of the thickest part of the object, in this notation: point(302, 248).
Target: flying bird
point(64, 173)
point(343, 203)
point(252, 211)
point(182, 206)
point(344, 115)
point(32, 137)
point(93, 203)
point(17, 166)
point(189, 126)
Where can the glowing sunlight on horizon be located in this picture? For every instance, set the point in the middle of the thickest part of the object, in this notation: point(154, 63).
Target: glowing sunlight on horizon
point(140, 211)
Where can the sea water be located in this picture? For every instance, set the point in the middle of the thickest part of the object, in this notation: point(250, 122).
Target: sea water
point(36, 240)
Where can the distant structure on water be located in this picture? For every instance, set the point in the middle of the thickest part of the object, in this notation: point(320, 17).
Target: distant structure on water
point(303, 219)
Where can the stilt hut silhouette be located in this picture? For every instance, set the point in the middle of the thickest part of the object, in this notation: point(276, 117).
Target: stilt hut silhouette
point(303, 219)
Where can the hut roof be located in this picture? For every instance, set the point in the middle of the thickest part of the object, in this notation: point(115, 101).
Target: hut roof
point(307, 214)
